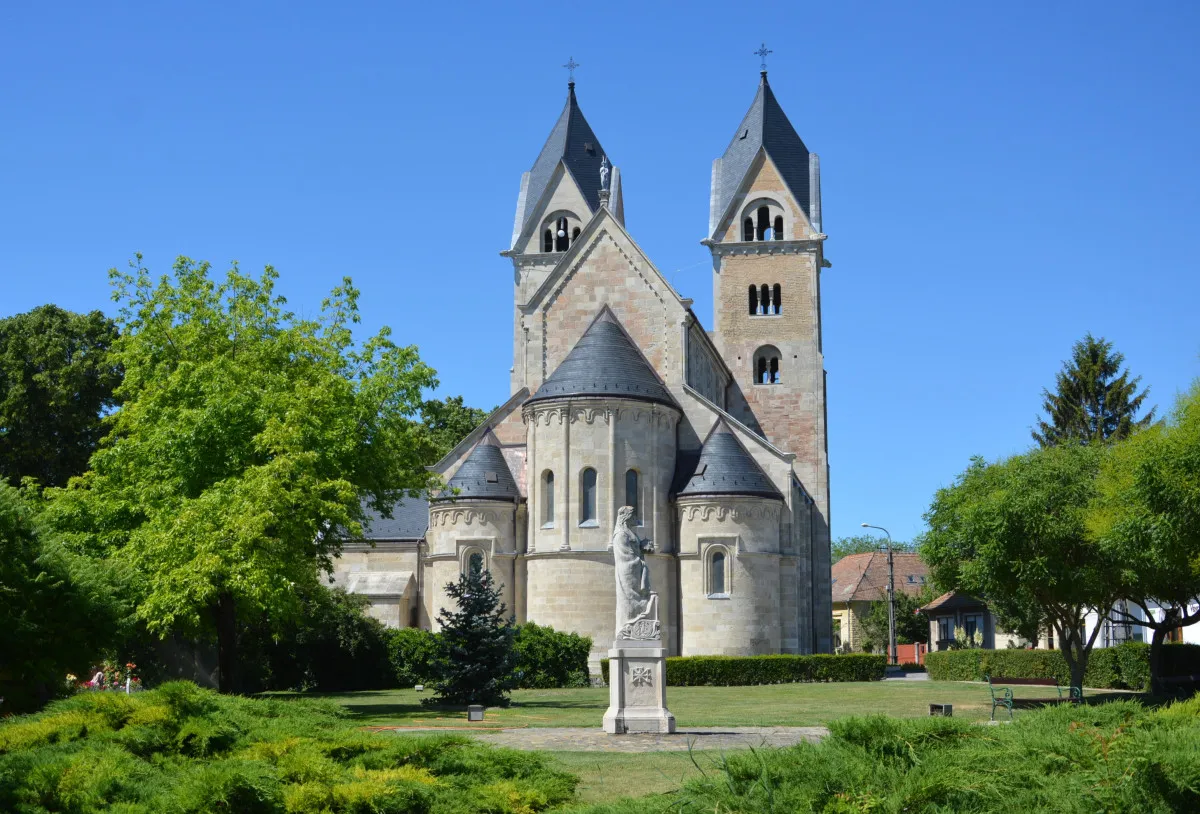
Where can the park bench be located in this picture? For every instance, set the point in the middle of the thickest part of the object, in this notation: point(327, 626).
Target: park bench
point(1007, 700)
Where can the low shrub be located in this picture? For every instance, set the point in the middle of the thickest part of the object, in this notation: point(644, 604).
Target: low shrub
point(412, 653)
point(740, 671)
point(1126, 666)
point(186, 750)
point(548, 658)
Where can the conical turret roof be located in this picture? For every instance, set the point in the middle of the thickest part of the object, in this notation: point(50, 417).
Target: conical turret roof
point(572, 142)
point(726, 468)
point(604, 362)
point(484, 475)
point(766, 125)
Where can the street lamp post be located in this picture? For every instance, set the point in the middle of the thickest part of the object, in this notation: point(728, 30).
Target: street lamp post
point(891, 592)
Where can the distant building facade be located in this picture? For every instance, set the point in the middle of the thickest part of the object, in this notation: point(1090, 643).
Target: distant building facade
point(858, 580)
point(621, 397)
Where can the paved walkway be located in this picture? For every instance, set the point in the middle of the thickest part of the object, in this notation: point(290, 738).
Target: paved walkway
point(589, 739)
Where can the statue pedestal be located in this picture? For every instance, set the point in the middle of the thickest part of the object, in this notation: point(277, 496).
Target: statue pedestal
point(637, 688)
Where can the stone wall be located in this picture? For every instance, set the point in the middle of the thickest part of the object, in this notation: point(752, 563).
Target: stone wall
point(457, 529)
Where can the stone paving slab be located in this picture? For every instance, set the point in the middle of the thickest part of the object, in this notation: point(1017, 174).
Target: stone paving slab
point(586, 739)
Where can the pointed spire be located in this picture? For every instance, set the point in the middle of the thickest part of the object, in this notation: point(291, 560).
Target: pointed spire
point(726, 468)
point(604, 362)
point(484, 475)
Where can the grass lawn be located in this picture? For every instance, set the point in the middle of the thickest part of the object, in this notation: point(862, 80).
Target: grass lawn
point(770, 705)
point(608, 776)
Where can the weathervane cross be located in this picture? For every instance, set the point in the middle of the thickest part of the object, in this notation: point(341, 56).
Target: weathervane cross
point(762, 52)
point(571, 65)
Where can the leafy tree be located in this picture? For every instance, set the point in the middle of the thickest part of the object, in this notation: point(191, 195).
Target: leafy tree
point(57, 379)
point(476, 658)
point(1149, 523)
point(1094, 400)
point(912, 625)
point(1016, 534)
point(863, 544)
point(58, 610)
point(449, 421)
point(244, 434)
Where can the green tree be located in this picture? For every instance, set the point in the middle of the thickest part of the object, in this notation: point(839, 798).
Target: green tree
point(912, 625)
point(1093, 399)
point(863, 544)
point(245, 433)
point(476, 658)
point(1149, 523)
point(57, 379)
point(1016, 534)
point(58, 610)
point(449, 421)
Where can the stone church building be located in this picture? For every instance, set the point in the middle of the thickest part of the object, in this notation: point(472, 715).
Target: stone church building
point(717, 439)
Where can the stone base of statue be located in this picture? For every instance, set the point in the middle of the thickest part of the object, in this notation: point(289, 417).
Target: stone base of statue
point(637, 688)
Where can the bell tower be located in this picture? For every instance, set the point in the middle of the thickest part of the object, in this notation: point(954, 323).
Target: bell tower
point(768, 251)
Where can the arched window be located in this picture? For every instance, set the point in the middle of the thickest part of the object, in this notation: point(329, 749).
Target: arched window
point(475, 563)
point(587, 496)
point(764, 222)
point(548, 241)
point(753, 300)
point(748, 229)
point(777, 299)
point(561, 241)
point(547, 499)
point(633, 495)
point(716, 573)
point(764, 299)
point(779, 227)
point(767, 363)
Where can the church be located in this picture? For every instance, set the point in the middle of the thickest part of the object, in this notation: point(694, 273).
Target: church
point(716, 439)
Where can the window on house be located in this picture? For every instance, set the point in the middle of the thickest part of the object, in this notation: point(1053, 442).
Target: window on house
point(748, 229)
point(547, 499)
point(475, 563)
point(633, 497)
point(777, 299)
point(764, 299)
point(767, 365)
point(778, 227)
point(945, 628)
point(764, 223)
point(971, 623)
point(753, 300)
point(587, 496)
point(716, 579)
point(774, 371)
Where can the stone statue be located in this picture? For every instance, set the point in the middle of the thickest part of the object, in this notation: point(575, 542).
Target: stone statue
point(604, 165)
point(637, 605)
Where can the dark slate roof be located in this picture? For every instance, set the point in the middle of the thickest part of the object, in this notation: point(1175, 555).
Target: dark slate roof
point(484, 475)
point(726, 468)
point(409, 520)
point(766, 125)
point(604, 362)
point(569, 141)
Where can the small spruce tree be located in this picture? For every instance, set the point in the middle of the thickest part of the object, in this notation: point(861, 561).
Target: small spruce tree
point(476, 657)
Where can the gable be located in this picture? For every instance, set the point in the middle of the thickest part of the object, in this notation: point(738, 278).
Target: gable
point(762, 180)
point(562, 195)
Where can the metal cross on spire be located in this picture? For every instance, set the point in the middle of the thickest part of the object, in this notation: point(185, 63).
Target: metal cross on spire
point(762, 52)
point(571, 65)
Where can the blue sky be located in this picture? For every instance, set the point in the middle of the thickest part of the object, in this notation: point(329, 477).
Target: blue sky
point(998, 180)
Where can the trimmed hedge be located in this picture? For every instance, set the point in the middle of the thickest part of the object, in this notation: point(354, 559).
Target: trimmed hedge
point(1125, 667)
point(739, 671)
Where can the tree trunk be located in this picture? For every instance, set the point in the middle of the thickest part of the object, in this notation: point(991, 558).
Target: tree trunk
point(226, 619)
point(1156, 657)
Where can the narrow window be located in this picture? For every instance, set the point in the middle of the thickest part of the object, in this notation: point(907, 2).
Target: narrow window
point(748, 229)
point(760, 374)
point(548, 241)
point(777, 299)
point(764, 299)
point(475, 563)
point(774, 370)
point(587, 496)
point(779, 227)
point(561, 241)
point(633, 495)
point(547, 498)
point(753, 300)
point(764, 222)
point(717, 577)
point(574, 234)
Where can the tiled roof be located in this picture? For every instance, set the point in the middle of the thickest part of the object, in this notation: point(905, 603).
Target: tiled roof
point(409, 520)
point(864, 577)
point(573, 142)
point(953, 600)
point(765, 125)
point(484, 475)
point(604, 362)
point(726, 468)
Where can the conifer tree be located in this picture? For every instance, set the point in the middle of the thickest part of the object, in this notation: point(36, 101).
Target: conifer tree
point(1094, 399)
point(476, 661)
